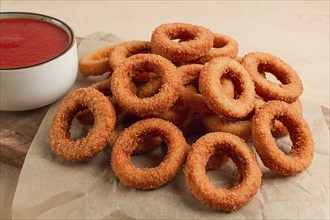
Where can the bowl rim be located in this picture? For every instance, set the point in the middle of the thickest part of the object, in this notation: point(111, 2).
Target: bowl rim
point(50, 19)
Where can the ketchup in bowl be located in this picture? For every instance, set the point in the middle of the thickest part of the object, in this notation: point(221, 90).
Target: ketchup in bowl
point(26, 42)
point(38, 60)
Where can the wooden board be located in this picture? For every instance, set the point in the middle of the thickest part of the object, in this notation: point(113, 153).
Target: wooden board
point(17, 130)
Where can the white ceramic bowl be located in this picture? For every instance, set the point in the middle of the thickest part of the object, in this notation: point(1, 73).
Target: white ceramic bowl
point(38, 85)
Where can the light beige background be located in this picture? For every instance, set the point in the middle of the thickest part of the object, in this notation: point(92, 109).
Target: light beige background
point(298, 32)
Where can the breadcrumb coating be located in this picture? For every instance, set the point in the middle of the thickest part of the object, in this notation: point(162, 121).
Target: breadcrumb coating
point(291, 87)
point(151, 106)
point(196, 41)
point(272, 157)
point(249, 173)
point(86, 147)
point(214, 94)
point(148, 178)
point(96, 62)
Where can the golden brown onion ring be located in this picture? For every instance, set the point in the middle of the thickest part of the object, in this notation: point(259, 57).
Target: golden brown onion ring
point(148, 178)
point(214, 94)
point(243, 127)
point(96, 62)
point(189, 98)
point(127, 49)
point(86, 147)
point(197, 41)
point(223, 46)
point(291, 87)
point(85, 117)
point(249, 174)
point(151, 106)
point(302, 149)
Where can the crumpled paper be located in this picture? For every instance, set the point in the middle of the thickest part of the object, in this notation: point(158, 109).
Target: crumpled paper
point(52, 188)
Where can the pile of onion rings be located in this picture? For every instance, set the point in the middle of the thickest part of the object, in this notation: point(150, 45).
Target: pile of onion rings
point(187, 82)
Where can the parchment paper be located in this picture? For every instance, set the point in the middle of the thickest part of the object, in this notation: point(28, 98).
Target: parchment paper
point(51, 188)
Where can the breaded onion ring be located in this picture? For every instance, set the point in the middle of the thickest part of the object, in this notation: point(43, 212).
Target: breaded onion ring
point(148, 178)
point(272, 157)
point(240, 128)
point(291, 87)
point(152, 106)
point(214, 95)
point(96, 62)
point(189, 97)
point(249, 174)
point(243, 127)
point(85, 117)
point(127, 49)
point(86, 147)
point(197, 41)
point(223, 46)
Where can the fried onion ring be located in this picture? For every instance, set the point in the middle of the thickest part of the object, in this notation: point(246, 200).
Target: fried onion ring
point(239, 127)
point(223, 46)
point(96, 62)
point(87, 147)
point(151, 106)
point(148, 178)
point(249, 173)
point(127, 49)
point(291, 87)
point(214, 95)
point(189, 97)
point(243, 127)
point(197, 41)
point(302, 149)
point(85, 117)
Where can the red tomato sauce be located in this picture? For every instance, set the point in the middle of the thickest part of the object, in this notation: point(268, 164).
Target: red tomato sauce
point(25, 42)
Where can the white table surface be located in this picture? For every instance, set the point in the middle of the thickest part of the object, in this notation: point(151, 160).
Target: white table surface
point(296, 31)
